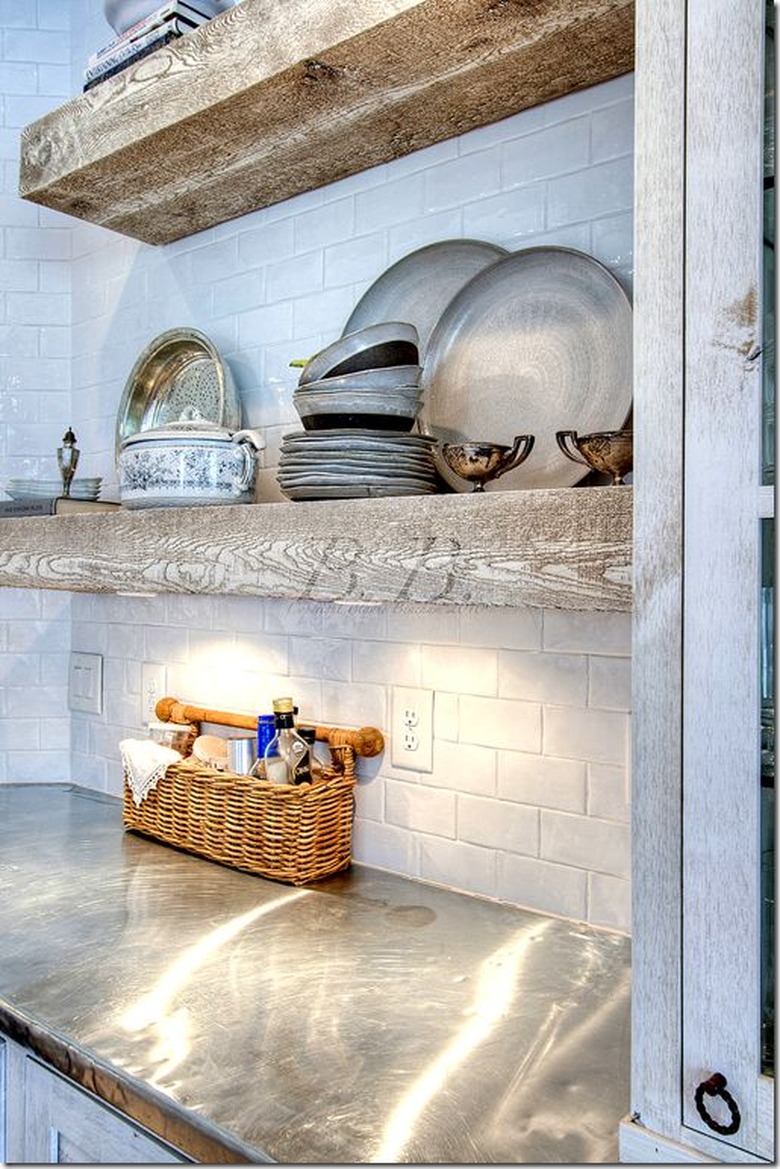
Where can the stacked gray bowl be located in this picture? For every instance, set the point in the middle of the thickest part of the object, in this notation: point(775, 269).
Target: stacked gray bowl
point(368, 379)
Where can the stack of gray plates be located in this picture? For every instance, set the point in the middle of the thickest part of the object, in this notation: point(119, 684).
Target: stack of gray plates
point(354, 463)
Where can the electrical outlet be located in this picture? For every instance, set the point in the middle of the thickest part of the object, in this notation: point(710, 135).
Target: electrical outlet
point(411, 736)
point(152, 690)
point(85, 683)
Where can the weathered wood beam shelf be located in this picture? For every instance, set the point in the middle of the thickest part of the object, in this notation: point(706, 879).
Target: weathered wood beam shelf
point(276, 97)
point(567, 548)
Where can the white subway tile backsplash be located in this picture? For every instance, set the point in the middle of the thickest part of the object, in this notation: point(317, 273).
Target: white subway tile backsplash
point(30, 243)
point(465, 669)
point(268, 243)
point(354, 621)
point(598, 736)
point(361, 258)
point(39, 766)
point(510, 218)
point(329, 223)
point(409, 805)
point(609, 902)
point(612, 242)
point(590, 193)
point(19, 77)
point(18, 276)
point(376, 661)
point(396, 201)
point(456, 864)
point(38, 637)
point(418, 233)
point(542, 781)
point(498, 722)
point(608, 792)
point(19, 734)
point(383, 846)
point(596, 845)
point(55, 14)
point(609, 682)
point(325, 312)
point(321, 657)
point(598, 633)
point(505, 130)
point(539, 884)
point(20, 669)
point(462, 180)
point(554, 150)
point(446, 717)
point(418, 623)
point(353, 705)
point(612, 131)
point(499, 825)
point(463, 768)
point(502, 628)
point(542, 677)
point(36, 308)
point(239, 293)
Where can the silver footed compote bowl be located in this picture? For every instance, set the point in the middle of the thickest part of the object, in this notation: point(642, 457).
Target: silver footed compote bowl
point(479, 462)
point(609, 451)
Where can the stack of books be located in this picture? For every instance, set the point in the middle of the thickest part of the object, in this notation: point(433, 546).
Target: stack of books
point(170, 21)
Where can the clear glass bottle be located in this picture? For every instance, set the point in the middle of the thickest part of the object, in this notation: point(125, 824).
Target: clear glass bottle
point(287, 757)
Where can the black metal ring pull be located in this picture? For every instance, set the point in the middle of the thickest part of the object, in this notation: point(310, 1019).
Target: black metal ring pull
point(716, 1086)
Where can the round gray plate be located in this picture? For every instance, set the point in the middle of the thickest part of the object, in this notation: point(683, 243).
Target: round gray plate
point(418, 287)
point(538, 342)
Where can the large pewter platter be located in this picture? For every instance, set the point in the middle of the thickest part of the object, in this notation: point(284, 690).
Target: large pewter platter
point(538, 342)
point(179, 373)
point(418, 287)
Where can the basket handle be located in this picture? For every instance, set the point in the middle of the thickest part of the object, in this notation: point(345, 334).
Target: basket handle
point(367, 741)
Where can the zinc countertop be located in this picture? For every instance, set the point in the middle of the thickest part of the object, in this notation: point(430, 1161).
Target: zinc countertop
point(367, 1017)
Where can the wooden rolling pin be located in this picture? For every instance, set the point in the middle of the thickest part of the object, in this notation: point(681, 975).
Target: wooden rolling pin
point(367, 741)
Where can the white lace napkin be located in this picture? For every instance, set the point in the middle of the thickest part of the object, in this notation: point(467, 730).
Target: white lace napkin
point(145, 762)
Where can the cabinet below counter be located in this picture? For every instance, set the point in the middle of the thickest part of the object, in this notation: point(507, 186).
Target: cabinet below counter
point(366, 1018)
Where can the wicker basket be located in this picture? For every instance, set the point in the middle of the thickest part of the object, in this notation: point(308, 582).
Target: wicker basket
point(287, 833)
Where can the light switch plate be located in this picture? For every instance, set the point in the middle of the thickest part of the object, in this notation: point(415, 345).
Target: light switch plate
point(85, 683)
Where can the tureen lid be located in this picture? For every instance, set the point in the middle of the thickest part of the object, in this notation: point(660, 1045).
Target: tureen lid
point(191, 424)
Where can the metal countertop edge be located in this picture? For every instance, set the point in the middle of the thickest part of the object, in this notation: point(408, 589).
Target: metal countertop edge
point(162, 1117)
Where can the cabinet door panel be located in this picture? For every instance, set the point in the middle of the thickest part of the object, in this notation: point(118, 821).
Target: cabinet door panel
point(721, 741)
point(66, 1125)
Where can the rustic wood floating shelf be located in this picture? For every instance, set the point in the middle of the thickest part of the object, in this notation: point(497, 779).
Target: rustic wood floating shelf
point(271, 99)
point(567, 548)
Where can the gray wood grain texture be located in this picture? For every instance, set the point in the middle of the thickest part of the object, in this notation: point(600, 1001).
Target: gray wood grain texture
point(269, 100)
point(567, 548)
point(657, 624)
point(721, 888)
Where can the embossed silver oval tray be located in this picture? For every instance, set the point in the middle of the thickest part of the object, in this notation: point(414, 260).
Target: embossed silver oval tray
point(180, 370)
point(418, 287)
point(538, 342)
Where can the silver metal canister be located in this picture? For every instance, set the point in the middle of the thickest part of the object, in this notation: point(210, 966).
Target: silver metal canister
point(242, 753)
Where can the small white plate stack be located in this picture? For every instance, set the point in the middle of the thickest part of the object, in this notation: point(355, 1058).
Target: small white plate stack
point(52, 488)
